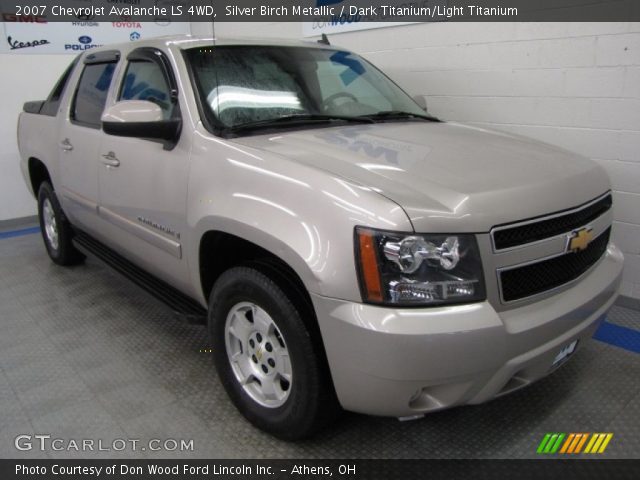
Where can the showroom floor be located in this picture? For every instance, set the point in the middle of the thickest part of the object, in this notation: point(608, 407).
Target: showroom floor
point(85, 354)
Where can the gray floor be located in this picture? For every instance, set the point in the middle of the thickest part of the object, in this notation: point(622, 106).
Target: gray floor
point(84, 354)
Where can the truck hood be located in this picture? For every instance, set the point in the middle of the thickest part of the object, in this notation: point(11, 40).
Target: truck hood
point(447, 177)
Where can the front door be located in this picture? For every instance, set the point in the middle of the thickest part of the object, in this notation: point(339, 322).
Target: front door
point(143, 182)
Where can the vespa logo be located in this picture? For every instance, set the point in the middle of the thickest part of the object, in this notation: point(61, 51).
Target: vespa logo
point(17, 44)
point(579, 240)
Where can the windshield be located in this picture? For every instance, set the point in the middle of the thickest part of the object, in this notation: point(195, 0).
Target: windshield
point(246, 85)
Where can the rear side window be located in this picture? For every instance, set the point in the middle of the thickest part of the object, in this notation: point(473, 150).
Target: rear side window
point(91, 95)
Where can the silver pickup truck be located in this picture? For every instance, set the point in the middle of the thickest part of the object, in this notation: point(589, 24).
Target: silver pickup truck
point(346, 248)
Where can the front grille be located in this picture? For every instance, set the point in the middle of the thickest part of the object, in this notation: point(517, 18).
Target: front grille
point(528, 280)
point(534, 231)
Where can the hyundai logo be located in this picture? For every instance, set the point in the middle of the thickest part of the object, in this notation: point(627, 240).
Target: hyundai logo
point(85, 39)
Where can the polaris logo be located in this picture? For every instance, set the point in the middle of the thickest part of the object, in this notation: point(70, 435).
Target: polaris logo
point(85, 44)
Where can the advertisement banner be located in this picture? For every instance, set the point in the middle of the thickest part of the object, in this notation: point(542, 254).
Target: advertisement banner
point(36, 35)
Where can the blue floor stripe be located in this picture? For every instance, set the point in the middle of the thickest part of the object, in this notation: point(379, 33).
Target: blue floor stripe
point(622, 337)
point(19, 233)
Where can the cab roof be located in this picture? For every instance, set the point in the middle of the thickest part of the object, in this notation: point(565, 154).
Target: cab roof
point(195, 41)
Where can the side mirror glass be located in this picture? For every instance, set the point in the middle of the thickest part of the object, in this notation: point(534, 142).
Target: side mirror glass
point(139, 118)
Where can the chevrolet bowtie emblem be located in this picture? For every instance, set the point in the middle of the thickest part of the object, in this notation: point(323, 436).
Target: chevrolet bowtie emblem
point(579, 240)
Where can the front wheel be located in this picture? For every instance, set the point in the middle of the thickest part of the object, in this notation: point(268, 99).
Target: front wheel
point(267, 357)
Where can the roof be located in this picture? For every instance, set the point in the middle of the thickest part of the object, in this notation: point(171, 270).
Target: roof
point(189, 41)
point(203, 40)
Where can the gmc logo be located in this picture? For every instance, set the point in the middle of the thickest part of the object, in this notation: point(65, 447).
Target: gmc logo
point(10, 17)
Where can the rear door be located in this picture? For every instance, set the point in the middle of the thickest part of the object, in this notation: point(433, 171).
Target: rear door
point(143, 182)
point(79, 140)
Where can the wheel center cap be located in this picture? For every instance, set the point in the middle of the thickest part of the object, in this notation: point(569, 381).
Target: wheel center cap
point(259, 352)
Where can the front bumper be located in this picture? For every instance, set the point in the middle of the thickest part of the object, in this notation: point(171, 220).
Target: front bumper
point(404, 362)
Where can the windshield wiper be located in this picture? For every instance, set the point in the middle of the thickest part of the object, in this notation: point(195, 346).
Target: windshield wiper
point(399, 115)
point(294, 120)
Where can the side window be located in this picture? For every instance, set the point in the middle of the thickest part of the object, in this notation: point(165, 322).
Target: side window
point(91, 95)
point(145, 80)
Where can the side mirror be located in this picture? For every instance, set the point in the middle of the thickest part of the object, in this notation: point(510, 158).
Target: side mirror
point(140, 118)
point(421, 101)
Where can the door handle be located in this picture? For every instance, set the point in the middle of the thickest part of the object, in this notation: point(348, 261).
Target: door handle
point(66, 145)
point(111, 160)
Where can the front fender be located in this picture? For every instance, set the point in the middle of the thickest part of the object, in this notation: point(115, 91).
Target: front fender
point(301, 214)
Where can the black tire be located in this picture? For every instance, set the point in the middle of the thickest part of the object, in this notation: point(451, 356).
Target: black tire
point(60, 250)
point(311, 402)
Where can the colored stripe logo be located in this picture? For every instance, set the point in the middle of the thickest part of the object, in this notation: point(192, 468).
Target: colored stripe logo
point(574, 443)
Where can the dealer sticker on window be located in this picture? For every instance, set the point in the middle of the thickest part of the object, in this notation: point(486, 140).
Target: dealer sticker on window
point(564, 353)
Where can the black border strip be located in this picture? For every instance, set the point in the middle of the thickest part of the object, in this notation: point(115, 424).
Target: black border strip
point(545, 468)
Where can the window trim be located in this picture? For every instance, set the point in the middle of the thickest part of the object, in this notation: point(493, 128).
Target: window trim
point(107, 56)
point(157, 56)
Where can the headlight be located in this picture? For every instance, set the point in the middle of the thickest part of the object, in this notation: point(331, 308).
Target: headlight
point(418, 270)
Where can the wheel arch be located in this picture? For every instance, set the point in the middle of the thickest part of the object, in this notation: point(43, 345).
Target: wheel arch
point(219, 250)
point(38, 173)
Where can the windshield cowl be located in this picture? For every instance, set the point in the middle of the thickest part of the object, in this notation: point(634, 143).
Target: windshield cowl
point(299, 121)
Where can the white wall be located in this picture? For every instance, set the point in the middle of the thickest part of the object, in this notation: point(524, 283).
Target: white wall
point(24, 78)
point(576, 85)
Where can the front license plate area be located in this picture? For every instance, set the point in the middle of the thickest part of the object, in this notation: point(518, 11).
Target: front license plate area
point(564, 353)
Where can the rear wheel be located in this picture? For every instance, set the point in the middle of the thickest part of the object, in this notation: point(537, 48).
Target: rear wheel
point(267, 357)
point(56, 229)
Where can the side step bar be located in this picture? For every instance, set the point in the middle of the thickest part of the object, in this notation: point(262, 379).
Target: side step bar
point(177, 301)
